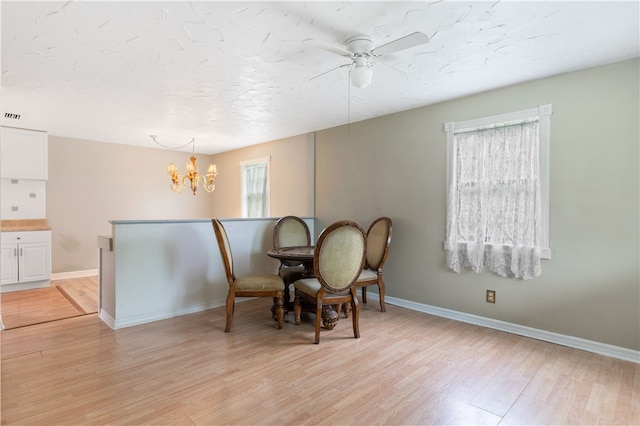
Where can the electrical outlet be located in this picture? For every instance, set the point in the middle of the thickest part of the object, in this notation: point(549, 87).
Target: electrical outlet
point(491, 296)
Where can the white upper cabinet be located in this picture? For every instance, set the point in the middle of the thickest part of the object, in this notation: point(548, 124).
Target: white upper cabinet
point(24, 154)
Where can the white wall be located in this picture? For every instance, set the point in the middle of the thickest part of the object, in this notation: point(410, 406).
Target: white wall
point(395, 166)
point(162, 269)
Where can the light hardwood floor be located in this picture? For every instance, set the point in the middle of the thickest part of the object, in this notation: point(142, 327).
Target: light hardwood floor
point(83, 291)
point(407, 368)
point(73, 297)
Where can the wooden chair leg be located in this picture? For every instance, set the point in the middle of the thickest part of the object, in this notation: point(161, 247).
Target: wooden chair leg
point(280, 311)
point(297, 308)
point(355, 314)
point(364, 294)
point(231, 297)
point(381, 293)
point(318, 319)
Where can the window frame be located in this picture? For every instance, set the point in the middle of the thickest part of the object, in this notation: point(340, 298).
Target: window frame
point(543, 114)
point(267, 195)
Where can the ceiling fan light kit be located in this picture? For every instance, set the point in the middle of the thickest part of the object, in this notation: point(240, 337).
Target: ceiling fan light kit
point(361, 76)
point(361, 72)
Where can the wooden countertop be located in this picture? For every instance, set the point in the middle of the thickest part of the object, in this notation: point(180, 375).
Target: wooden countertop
point(13, 225)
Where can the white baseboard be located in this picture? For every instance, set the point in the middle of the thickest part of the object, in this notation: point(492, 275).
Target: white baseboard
point(547, 336)
point(75, 274)
point(116, 324)
point(29, 285)
point(107, 319)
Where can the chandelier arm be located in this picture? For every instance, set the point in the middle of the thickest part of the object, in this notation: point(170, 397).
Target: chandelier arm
point(176, 187)
point(209, 187)
point(193, 183)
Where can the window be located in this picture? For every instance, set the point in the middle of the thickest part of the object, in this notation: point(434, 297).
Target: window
point(498, 193)
point(255, 187)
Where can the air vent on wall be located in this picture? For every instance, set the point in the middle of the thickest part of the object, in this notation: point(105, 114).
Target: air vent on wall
point(12, 116)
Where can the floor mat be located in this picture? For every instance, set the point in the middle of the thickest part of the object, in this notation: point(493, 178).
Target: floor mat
point(28, 307)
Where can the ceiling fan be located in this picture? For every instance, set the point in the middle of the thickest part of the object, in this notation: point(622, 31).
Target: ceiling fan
point(361, 50)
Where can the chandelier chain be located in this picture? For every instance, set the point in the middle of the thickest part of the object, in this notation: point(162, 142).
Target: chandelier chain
point(192, 141)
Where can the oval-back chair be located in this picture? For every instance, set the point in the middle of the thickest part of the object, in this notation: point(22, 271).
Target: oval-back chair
point(290, 231)
point(339, 257)
point(378, 242)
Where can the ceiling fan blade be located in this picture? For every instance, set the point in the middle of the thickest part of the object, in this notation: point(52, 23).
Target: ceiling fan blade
point(331, 70)
point(411, 40)
point(334, 48)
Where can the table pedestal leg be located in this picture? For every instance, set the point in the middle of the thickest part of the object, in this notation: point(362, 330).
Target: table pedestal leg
point(329, 317)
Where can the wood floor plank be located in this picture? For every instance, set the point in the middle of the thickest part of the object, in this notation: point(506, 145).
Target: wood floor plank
point(63, 299)
point(23, 308)
point(407, 368)
point(83, 291)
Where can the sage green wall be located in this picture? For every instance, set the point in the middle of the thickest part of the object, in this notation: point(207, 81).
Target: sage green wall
point(292, 162)
point(395, 166)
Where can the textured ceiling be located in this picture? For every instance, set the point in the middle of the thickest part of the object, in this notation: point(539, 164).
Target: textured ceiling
point(232, 74)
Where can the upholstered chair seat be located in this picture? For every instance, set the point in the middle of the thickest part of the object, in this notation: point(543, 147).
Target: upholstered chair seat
point(309, 286)
point(267, 282)
point(367, 274)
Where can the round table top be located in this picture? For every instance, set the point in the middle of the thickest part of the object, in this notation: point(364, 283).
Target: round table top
point(292, 253)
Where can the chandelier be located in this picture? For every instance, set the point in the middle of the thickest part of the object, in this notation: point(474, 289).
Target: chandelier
point(177, 184)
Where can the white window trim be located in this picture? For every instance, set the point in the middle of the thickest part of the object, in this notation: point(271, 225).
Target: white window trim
point(543, 114)
point(261, 160)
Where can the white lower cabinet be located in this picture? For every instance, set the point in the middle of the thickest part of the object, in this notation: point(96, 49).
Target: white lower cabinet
point(25, 257)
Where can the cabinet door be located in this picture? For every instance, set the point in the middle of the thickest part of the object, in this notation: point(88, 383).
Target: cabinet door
point(24, 154)
point(8, 264)
point(34, 261)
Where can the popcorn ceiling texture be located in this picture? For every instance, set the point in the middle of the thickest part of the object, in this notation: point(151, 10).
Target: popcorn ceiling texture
point(233, 74)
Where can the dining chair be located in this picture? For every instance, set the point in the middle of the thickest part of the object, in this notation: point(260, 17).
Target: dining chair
point(339, 257)
point(265, 285)
point(290, 231)
point(378, 242)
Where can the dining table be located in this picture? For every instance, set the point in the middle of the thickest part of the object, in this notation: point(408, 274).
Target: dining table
point(305, 255)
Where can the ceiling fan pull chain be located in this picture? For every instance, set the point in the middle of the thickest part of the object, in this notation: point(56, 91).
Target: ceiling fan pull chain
point(349, 103)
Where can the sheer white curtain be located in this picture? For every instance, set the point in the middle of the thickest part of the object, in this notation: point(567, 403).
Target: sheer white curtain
point(255, 190)
point(494, 200)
